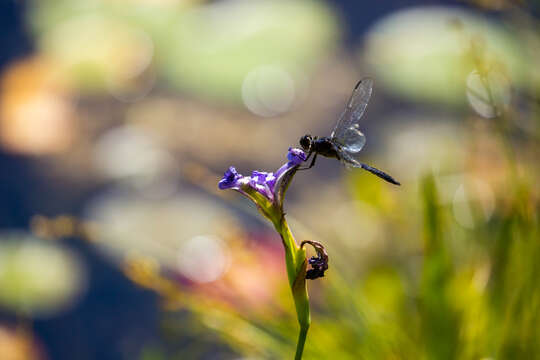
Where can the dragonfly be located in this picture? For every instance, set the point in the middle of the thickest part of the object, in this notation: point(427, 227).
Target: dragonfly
point(346, 139)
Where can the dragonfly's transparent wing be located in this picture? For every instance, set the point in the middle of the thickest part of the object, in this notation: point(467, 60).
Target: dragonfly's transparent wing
point(347, 135)
point(352, 139)
point(347, 132)
point(349, 160)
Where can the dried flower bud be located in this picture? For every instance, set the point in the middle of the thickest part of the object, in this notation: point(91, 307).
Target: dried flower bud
point(319, 263)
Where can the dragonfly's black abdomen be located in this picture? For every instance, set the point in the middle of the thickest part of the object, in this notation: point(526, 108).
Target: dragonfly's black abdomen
point(325, 147)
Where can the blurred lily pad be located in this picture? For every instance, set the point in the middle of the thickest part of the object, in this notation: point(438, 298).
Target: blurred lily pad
point(213, 48)
point(426, 53)
point(36, 277)
point(207, 49)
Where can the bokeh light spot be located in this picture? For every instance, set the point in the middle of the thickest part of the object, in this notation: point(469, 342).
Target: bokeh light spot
point(128, 155)
point(95, 48)
point(268, 90)
point(36, 116)
point(203, 258)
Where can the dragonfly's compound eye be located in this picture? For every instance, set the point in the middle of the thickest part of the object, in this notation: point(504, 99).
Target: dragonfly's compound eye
point(305, 142)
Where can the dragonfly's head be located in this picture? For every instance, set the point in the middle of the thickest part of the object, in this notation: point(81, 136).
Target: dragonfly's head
point(305, 142)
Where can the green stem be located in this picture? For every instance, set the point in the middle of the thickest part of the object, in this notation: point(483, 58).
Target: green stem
point(291, 249)
point(301, 342)
point(295, 260)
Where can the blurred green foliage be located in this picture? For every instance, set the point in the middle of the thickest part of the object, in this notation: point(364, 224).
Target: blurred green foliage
point(476, 299)
point(451, 293)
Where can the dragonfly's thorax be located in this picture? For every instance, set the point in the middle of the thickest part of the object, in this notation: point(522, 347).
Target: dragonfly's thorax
point(325, 147)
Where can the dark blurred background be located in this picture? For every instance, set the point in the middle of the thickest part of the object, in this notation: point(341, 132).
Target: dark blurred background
point(117, 118)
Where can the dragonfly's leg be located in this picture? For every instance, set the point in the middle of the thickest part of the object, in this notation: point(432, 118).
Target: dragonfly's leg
point(307, 158)
point(312, 162)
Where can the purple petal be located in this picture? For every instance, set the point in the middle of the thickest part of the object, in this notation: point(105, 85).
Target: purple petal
point(282, 169)
point(231, 179)
point(263, 182)
point(259, 177)
point(271, 181)
point(296, 156)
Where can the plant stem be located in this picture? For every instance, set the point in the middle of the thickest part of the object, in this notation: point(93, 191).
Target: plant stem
point(295, 259)
point(291, 249)
point(301, 341)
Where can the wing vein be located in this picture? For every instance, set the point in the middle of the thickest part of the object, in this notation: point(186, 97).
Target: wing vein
point(356, 106)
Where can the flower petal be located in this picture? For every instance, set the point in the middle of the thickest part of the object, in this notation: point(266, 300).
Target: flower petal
point(230, 179)
point(296, 156)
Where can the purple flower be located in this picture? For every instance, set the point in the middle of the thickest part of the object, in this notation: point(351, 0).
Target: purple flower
point(265, 183)
point(230, 179)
